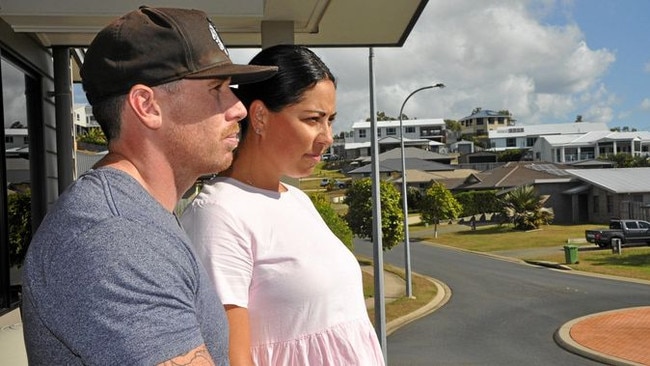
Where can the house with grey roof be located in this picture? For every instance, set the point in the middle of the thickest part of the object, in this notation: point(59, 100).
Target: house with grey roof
point(611, 192)
point(409, 152)
point(546, 178)
point(393, 166)
point(422, 167)
point(422, 180)
point(592, 164)
point(514, 174)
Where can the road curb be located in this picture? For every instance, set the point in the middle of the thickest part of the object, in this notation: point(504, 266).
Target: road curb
point(563, 338)
point(549, 264)
point(443, 294)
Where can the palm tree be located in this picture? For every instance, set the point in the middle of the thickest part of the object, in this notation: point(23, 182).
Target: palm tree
point(525, 209)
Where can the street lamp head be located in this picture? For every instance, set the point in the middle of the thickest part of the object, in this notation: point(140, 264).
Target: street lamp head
point(438, 85)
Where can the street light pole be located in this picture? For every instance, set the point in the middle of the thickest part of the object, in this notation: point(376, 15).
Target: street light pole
point(407, 248)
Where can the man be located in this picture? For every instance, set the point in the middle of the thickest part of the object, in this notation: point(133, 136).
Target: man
point(110, 277)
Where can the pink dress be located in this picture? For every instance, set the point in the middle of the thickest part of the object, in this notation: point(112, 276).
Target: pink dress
point(273, 254)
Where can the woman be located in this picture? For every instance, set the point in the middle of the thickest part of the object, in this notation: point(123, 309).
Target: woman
point(292, 291)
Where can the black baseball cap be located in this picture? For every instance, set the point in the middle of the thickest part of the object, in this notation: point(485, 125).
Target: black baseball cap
point(154, 46)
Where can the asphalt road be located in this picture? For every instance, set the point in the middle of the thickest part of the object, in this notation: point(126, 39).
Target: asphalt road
point(500, 312)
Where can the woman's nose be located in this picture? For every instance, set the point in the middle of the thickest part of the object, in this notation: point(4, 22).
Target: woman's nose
point(326, 136)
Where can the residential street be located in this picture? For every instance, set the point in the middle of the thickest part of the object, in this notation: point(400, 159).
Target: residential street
point(501, 312)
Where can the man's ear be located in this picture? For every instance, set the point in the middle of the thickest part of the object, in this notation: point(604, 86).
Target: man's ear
point(144, 104)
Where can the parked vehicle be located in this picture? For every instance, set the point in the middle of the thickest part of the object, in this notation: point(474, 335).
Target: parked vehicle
point(338, 183)
point(628, 231)
point(328, 157)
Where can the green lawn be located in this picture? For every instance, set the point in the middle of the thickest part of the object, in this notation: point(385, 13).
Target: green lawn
point(312, 182)
point(633, 262)
point(494, 237)
point(423, 292)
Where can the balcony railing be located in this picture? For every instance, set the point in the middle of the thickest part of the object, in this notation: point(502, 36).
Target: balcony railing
point(576, 157)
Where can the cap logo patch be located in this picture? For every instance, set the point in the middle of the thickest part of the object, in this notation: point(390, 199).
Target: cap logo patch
point(216, 38)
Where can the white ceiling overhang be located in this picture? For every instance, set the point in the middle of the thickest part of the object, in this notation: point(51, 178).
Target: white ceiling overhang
point(317, 23)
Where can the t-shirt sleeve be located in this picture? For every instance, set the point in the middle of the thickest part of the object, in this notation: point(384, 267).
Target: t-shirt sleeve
point(134, 295)
point(223, 243)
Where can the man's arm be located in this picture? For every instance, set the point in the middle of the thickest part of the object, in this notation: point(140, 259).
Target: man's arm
point(196, 357)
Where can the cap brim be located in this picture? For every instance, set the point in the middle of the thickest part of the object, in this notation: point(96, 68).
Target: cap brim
point(239, 74)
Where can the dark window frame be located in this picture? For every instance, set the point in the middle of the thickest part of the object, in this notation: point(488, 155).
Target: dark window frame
point(10, 295)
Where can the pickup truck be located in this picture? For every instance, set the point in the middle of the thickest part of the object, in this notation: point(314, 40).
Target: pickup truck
point(628, 231)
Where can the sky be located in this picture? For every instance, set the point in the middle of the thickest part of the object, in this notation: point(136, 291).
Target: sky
point(546, 61)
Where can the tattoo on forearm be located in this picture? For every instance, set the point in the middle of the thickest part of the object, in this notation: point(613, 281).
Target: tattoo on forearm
point(197, 356)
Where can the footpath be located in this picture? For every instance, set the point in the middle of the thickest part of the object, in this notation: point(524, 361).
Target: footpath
point(395, 288)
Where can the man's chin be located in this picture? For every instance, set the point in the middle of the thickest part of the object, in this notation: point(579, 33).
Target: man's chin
point(224, 163)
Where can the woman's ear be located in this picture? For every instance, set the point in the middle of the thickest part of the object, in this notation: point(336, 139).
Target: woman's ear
point(144, 105)
point(258, 116)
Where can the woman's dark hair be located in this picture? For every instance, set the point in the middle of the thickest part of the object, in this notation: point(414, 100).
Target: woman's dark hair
point(299, 69)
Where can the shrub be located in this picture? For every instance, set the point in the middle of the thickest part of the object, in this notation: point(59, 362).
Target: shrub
point(93, 136)
point(20, 226)
point(334, 221)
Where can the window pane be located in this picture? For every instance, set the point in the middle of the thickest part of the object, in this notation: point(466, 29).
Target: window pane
point(17, 195)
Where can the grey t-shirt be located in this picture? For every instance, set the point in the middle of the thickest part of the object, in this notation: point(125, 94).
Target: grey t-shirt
point(110, 278)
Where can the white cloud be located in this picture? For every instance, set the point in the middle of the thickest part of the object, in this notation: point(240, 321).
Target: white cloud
point(14, 103)
point(494, 54)
point(645, 104)
point(600, 112)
